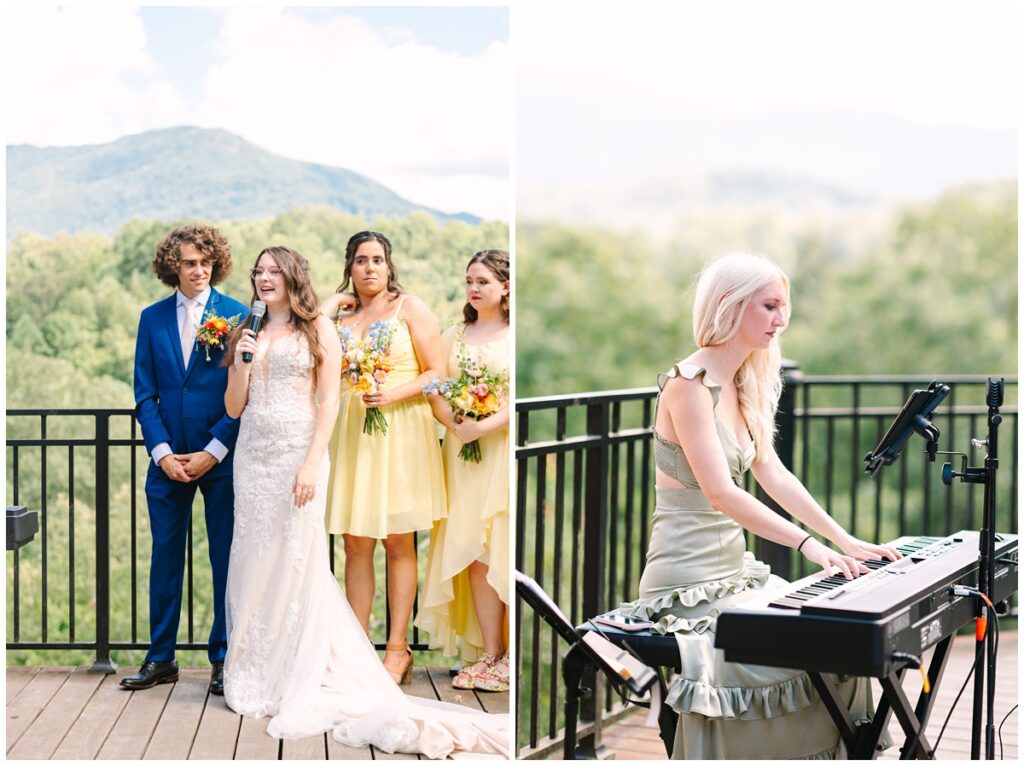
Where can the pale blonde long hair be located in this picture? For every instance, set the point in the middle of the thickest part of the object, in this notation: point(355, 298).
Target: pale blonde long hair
point(724, 289)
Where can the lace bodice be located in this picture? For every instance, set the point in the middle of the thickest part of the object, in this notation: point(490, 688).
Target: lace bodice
point(281, 409)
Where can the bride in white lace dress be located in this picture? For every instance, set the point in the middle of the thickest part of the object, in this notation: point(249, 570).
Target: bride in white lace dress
point(296, 651)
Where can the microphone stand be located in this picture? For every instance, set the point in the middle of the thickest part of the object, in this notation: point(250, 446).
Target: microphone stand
point(984, 637)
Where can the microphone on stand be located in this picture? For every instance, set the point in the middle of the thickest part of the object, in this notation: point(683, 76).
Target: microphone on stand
point(259, 310)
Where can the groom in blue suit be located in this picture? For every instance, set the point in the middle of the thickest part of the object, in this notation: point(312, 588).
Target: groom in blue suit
point(179, 402)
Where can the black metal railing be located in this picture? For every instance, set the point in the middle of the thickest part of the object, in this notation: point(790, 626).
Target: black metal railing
point(78, 585)
point(584, 479)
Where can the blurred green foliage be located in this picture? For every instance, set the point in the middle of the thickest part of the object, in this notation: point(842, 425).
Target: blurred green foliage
point(925, 288)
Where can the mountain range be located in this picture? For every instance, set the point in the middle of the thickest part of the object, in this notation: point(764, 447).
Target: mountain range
point(175, 173)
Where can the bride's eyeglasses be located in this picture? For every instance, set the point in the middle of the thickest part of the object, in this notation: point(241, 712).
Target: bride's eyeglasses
point(272, 273)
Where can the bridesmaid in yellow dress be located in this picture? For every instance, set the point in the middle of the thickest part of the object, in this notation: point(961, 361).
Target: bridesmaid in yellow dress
point(466, 594)
point(385, 486)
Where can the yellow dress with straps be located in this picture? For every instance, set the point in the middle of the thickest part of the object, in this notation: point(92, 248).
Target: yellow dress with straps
point(476, 528)
point(384, 484)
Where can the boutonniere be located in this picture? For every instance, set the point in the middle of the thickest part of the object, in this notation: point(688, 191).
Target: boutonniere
point(214, 330)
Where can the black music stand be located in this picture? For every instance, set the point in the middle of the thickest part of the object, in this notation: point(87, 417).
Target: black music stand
point(618, 663)
point(914, 417)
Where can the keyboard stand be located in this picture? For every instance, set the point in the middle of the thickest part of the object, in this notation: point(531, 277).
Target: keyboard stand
point(863, 742)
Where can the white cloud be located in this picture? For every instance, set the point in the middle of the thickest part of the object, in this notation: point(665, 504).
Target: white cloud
point(898, 100)
point(335, 92)
point(82, 75)
point(432, 125)
point(932, 66)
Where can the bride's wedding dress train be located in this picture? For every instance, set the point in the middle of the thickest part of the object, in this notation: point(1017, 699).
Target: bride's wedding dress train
point(296, 651)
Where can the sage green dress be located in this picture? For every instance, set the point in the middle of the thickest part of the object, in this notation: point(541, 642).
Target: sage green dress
point(698, 565)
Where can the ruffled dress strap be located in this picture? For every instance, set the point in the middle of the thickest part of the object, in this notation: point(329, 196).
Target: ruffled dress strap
point(690, 371)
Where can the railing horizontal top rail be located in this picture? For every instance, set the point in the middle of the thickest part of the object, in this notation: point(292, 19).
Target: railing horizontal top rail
point(590, 397)
point(897, 379)
point(632, 394)
point(72, 411)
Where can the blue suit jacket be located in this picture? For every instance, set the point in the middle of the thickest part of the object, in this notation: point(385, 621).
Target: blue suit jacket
point(183, 407)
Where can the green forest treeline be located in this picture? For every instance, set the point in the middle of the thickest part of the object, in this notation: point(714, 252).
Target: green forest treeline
point(927, 288)
point(73, 302)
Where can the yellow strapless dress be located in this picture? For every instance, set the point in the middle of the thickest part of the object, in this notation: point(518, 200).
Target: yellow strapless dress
point(476, 527)
point(384, 484)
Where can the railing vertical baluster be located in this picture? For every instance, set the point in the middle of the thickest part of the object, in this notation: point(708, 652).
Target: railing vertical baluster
point(188, 548)
point(627, 573)
point(972, 425)
point(522, 472)
point(522, 469)
point(805, 458)
point(951, 440)
point(17, 596)
point(612, 556)
point(855, 464)
point(594, 530)
point(538, 575)
point(556, 586)
point(103, 663)
point(830, 435)
point(43, 519)
point(1013, 476)
point(577, 525)
point(133, 512)
point(903, 478)
point(884, 536)
point(416, 598)
point(71, 543)
point(925, 476)
point(15, 478)
point(646, 481)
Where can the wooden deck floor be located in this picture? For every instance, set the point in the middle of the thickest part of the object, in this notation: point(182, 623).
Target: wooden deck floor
point(71, 713)
point(630, 739)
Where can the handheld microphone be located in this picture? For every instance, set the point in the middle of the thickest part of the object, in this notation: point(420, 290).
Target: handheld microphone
point(259, 310)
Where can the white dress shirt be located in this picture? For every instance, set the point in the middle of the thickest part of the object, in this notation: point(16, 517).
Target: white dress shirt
point(215, 447)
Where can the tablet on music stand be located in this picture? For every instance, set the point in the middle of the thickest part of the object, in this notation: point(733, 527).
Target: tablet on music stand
point(914, 417)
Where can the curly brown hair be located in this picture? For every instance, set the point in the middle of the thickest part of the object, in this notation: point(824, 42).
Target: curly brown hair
point(206, 239)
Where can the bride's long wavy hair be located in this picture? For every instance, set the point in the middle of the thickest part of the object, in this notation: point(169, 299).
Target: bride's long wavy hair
point(724, 289)
point(304, 304)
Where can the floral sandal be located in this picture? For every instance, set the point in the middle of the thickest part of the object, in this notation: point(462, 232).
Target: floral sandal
point(495, 678)
point(488, 674)
point(466, 678)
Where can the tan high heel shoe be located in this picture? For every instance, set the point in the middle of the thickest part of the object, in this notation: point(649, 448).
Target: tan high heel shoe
point(400, 674)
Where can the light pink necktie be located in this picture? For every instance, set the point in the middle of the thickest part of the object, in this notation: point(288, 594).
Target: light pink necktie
point(188, 330)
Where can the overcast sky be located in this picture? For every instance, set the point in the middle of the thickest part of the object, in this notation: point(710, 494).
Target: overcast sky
point(883, 101)
point(415, 98)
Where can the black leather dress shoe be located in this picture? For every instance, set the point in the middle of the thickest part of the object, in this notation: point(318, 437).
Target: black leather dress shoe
point(217, 679)
point(151, 674)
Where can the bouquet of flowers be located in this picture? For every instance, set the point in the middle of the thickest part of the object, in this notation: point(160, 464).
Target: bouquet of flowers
point(477, 393)
point(214, 330)
point(365, 364)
